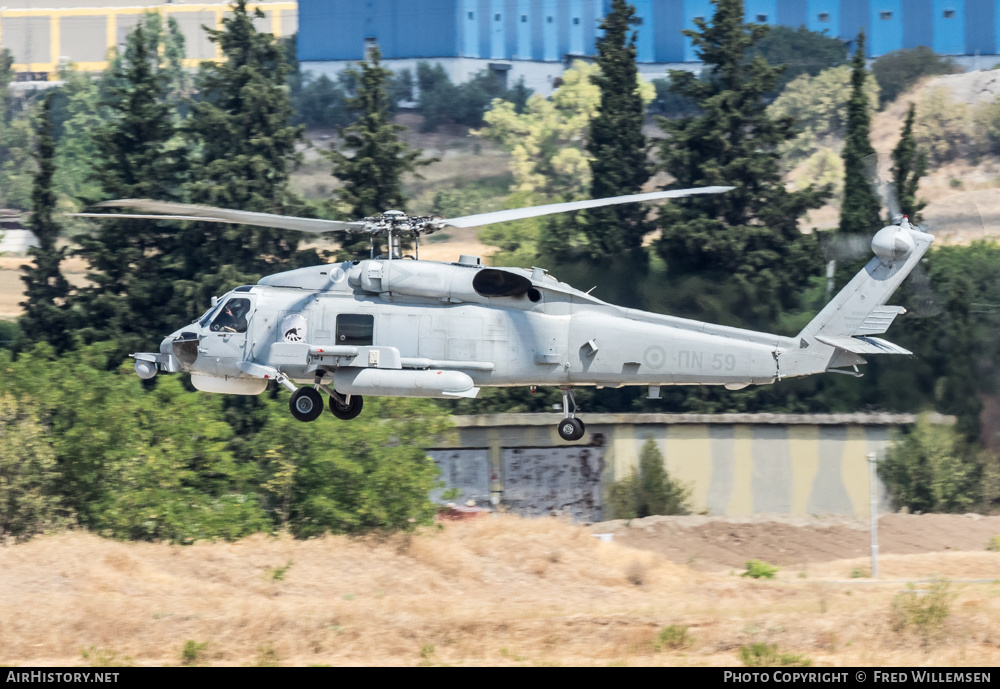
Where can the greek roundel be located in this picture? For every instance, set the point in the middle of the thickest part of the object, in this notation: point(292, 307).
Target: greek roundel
point(293, 328)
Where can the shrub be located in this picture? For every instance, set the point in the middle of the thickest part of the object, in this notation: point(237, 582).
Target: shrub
point(29, 474)
point(925, 470)
point(648, 492)
point(443, 102)
point(899, 70)
point(758, 569)
point(674, 637)
point(922, 611)
point(191, 652)
point(766, 655)
point(994, 544)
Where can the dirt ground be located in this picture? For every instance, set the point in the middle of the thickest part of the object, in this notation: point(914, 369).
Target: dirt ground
point(723, 543)
point(496, 590)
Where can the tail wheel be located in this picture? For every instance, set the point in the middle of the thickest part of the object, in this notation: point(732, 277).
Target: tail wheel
point(570, 429)
point(306, 404)
point(346, 412)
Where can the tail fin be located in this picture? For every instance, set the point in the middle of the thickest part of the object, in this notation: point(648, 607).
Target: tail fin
point(859, 310)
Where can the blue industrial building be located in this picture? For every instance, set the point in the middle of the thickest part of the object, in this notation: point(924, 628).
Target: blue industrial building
point(523, 36)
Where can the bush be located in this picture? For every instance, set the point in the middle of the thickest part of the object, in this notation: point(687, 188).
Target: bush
point(758, 569)
point(994, 544)
point(922, 611)
point(648, 492)
point(766, 655)
point(899, 70)
point(673, 637)
point(191, 652)
point(926, 470)
point(804, 52)
point(165, 463)
point(442, 102)
point(29, 474)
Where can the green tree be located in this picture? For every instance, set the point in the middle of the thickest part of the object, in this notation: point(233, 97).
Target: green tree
point(649, 491)
point(377, 476)
point(818, 104)
point(925, 470)
point(742, 247)
point(898, 70)
point(859, 211)
point(240, 128)
point(371, 160)
point(804, 52)
point(132, 264)
point(908, 166)
point(29, 499)
point(958, 389)
point(135, 463)
point(615, 142)
point(77, 114)
point(46, 316)
point(15, 142)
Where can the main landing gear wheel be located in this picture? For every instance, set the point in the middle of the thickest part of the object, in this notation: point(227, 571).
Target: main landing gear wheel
point(571, 429)
point(306, 404)
point(346, 412)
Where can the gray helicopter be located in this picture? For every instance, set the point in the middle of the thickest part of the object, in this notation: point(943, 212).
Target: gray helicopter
point(401, 327)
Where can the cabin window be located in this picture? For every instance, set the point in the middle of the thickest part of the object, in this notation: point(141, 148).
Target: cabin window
point(471, 15)
point(885, 15)
point(356, 329)
point(762, 18)
point(824, 17)
point(524, 19)
point(949, 14)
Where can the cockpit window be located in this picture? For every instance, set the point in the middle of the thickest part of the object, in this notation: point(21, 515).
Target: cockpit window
point(232, 317)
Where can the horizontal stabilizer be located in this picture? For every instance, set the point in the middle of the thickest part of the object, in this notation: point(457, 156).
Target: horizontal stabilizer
point(862, 345)
point(879, 320)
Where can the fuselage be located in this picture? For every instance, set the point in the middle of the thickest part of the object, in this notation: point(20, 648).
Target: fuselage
point(499, 326)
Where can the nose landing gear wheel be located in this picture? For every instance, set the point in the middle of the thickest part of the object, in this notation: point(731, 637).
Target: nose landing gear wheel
point(571, 429)
point(346, 412)
point(306, 404)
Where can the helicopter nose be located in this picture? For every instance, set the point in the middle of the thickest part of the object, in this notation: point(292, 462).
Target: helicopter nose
point(184, 346)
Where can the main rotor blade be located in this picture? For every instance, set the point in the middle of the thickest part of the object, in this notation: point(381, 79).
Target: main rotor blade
point(536, 211)
point(186, 211)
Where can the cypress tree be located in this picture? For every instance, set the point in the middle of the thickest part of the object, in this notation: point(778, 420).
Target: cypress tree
point(46, 316)
point(859, 212)
point(743, 248)
point(241, 128)
point(908, 166)
point(371, 160)
point(616, 143)
point(132, 261)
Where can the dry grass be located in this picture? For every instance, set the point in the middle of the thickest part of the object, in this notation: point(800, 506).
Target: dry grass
point(490, 591)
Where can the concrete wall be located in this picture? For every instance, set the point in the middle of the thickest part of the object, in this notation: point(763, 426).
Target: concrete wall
point(736, 464)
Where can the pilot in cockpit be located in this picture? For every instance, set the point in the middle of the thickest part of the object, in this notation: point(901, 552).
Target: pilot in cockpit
point(233, 318)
